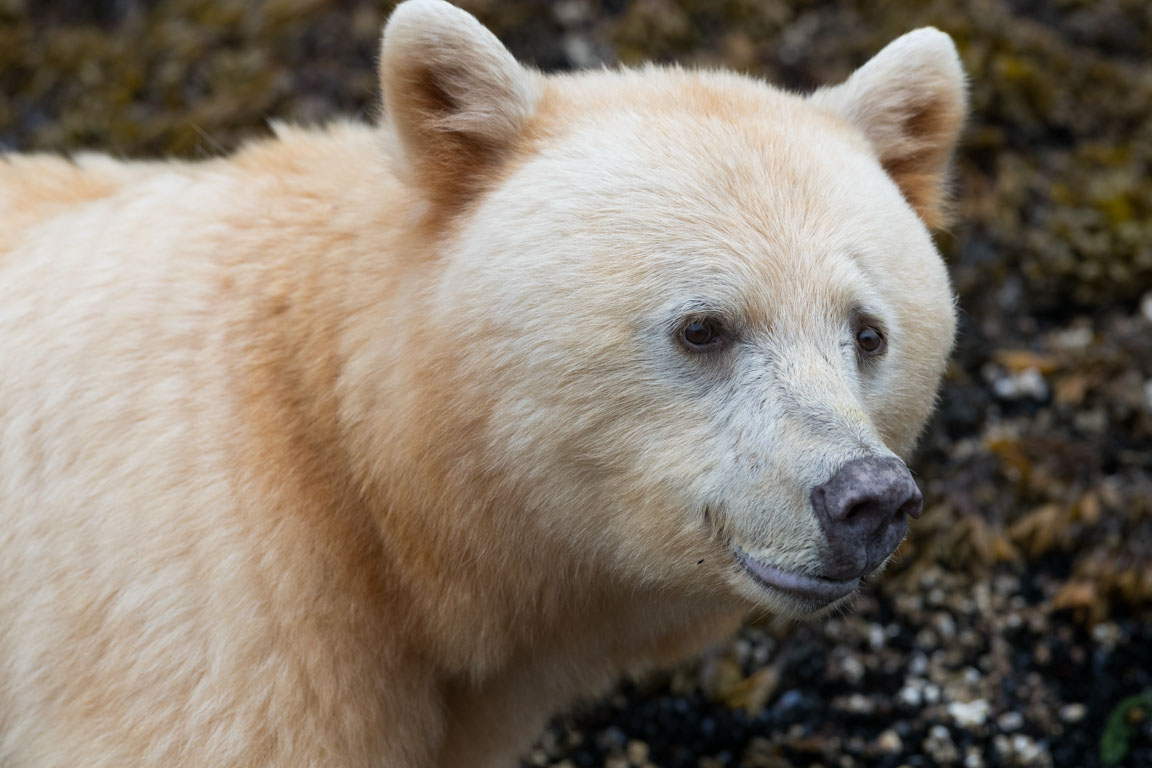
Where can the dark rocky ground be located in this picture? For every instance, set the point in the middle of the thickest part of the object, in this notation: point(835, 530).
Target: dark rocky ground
point(1017, 624)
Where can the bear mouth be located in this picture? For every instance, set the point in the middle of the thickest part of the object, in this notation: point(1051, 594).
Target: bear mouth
point(797, 585)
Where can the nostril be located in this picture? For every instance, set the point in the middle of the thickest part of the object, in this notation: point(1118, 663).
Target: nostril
point(869, 493)
point(854, 511)
point(913, 507)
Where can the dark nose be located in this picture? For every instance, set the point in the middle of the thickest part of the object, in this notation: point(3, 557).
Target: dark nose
point(863, 509)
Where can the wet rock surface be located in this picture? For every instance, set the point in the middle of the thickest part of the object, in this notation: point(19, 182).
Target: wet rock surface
point(1015, 629)
point(951, 673)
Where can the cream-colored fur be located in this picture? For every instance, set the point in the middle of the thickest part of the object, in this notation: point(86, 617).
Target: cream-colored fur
point(374, 446)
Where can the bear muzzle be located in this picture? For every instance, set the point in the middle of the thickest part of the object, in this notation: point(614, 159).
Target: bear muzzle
point(863, 510)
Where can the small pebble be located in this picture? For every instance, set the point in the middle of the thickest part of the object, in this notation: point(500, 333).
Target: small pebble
point(889, 742)
point(853, 669)
point(910, 696)
point(1106, 633)
point(1028, 751)
point(940, 747)
point(1073, 713)
point(969, 714)
point(973, 758)
point(1029, 383)
point(790, 699)
point(1076, 337)
point(859, 703)
point(1010, 721)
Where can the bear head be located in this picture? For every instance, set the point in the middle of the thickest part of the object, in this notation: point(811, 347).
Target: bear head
point(693, 323)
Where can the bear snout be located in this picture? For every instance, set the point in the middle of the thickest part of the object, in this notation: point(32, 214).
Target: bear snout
point(863, 510)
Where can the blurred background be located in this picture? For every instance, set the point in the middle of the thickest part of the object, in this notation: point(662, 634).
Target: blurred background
point(1016, 627)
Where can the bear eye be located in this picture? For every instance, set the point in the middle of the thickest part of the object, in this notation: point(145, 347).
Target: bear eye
point(702, 334)
point(871, 341)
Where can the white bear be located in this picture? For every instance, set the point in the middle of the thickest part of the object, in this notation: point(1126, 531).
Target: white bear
point(378, 445)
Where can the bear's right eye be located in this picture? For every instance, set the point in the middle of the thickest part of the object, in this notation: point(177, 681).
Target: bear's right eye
point(870, 341)
point(702, 334)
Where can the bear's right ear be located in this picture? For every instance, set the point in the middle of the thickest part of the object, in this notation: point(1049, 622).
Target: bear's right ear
point(456, 97)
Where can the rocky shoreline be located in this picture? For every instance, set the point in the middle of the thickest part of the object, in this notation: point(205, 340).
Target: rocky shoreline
point(979, 674)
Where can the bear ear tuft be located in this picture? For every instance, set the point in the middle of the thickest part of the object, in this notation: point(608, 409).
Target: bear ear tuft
point(456, 97)
point(909, 101)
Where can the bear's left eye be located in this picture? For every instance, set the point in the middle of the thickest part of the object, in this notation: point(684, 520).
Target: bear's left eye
point(702, 334)
point(870, 341)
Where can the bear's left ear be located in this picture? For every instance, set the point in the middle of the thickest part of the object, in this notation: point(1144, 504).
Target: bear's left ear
point(909, 101)
point(455, 95)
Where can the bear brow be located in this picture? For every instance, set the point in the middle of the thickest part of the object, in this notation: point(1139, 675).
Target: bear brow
point(703, 307)
point(866, 310)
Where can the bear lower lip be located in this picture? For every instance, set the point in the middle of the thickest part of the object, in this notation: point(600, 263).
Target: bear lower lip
point(797, 584)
